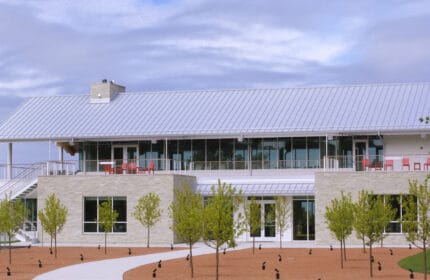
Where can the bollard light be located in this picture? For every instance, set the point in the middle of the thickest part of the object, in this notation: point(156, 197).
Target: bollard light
point(411, 275)
point(379, 266)
point(171, 247)
point(310, 251)
point(29, 246)
point(279, 258)
point(154, 273)
point(259, 247)
point(50, 250)
point(129, 251)
point(277, 274)
point(188, 257)
point(391, 252)
point(410, 246)
point(40, 263)
point(159, 264)
point(263, 266)
point(98, 247)
point(82, 257)
point(8, 273)
point(331, 247)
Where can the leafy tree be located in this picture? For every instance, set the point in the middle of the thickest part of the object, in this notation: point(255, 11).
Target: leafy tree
point(147, 212)
point(220, 227)
point(376, 216)
point(53, 217)
point(107, 218)
point(359, 222)
point(339, 217)
point(252, 211)
point(282, 210)
point(415, 220)
point(12, 216)
point(187, 214)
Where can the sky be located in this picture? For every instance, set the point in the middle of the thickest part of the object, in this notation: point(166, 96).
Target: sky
point(60, 47)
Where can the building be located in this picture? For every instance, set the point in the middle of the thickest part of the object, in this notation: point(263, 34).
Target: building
point(307, 144)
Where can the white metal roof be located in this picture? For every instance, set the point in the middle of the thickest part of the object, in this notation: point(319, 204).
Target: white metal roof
point(380, 108)
point(264, 189)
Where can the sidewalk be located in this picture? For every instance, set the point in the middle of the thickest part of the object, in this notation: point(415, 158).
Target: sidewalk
point(114, 269)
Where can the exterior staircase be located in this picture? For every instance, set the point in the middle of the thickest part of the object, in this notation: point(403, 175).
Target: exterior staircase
point(24, 182)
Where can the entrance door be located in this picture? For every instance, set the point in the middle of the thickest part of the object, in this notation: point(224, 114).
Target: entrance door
point(360, 153)
point(124, 154)
point(269, 220)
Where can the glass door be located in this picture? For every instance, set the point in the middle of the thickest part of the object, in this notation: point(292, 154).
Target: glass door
point(124, 154)
point(360, 153)
point(269, 220)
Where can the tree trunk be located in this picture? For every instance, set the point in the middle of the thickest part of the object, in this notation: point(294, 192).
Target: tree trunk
point(55, 243)
point(370, 258)
point(191, 260)
point(344, 250)
point(253, 245)
point(364, 245)
point(341, 255)
point(147, 237)
point(10, 249)
point(425, 259)
point(105, 241)
point(217, 262)
point(280, 239)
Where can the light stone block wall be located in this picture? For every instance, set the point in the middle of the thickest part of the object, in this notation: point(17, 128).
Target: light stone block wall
point(330, 185)
point(71, 191)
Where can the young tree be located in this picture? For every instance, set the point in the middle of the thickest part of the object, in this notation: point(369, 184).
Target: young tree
point(147, 212)
point(415, 220)
point(53, 217)
point(252, 211)
point(220, 226)
point(359, 222)
point(107, 218)
point(376, 216)
point(339, 217)
point(282, 210)
point(12, 216)
point(187, 214)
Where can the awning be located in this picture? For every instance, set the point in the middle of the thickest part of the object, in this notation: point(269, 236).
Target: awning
point(264, 189)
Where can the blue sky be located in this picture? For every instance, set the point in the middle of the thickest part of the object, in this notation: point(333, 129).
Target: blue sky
point(60, 47)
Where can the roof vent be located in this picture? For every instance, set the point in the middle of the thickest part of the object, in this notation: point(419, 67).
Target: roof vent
point(105, 91)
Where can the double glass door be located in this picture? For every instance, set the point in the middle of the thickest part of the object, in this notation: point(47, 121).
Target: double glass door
point(268, 221)
point(124, 154)
point(360, 153)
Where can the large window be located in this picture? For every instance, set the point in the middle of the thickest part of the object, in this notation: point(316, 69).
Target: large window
point(396, 202)
point(303, 218)
point(91, 213)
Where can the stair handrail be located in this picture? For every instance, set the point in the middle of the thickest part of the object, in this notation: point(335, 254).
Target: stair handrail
point(20, 182)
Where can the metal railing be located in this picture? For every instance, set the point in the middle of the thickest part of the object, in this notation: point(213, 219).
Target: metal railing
point(23, 180)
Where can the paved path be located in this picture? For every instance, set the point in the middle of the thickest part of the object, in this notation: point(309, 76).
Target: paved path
point(113, 269)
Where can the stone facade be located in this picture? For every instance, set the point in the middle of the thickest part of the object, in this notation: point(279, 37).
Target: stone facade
point(330, 185)
point(71, 190)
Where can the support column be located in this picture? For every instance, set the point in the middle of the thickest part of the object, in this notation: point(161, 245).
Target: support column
point(61, 158)
point(9, 161)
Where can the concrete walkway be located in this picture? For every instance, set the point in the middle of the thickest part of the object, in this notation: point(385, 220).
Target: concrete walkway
point(114, 269)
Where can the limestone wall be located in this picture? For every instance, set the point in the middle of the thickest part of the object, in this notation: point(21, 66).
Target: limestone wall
point(71, 190)
point(330, 185)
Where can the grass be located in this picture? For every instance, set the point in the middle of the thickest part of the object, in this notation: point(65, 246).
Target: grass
point(416, 262)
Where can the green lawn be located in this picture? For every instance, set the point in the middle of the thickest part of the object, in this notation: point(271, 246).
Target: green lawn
point(416, 262)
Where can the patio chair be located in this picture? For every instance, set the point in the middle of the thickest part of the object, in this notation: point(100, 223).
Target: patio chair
point(389, 163)
point(108, 169)
point(365, 163)
point(405, 162)
point(151, 167)
point(427, 164)
point(132, 168)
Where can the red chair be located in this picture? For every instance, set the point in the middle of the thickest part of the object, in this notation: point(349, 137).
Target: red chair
point(365, 163)
point(427, 164)
point(405, 162)
point(389, 163)
point(108, 169)
point(151, 167)
point(124, 168)
point(132, 168)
